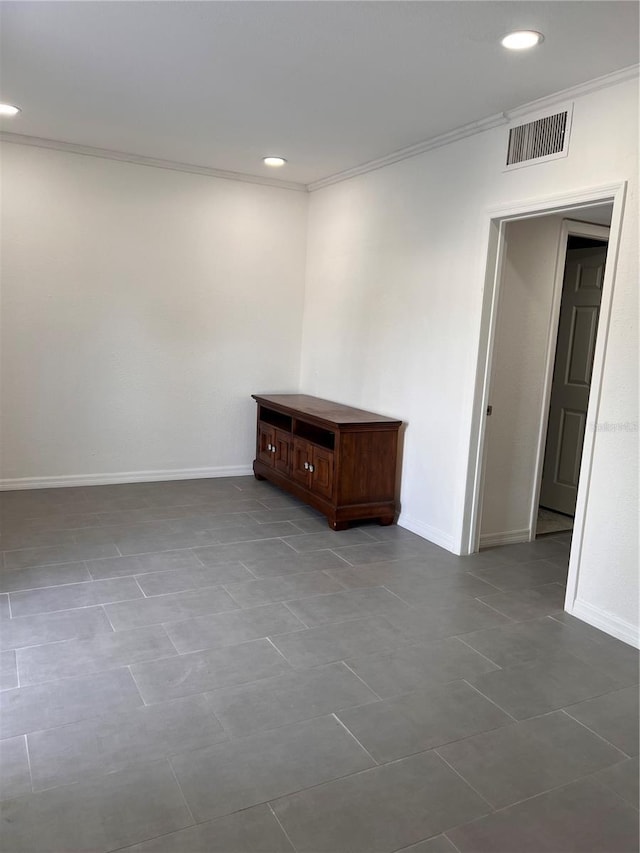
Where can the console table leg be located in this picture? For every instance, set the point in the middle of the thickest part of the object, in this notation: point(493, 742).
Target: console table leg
point(338, 525)
point(385, 520)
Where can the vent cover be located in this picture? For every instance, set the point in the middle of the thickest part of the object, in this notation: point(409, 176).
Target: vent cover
point(543, 139)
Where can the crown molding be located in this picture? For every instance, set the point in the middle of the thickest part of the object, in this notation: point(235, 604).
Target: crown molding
point(506, 117)
point(139, 160)
point(462, 132)
point(575, 92)
point(413, 150)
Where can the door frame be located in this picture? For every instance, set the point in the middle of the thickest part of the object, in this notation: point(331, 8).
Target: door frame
point(569, 227)
point(568, 204)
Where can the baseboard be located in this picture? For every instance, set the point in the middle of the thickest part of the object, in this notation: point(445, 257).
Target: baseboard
point(507, 537)
point(607, 622)
point(123, 477)
point(432, 534)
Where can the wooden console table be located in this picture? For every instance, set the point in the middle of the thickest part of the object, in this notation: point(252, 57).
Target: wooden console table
point(339, 460)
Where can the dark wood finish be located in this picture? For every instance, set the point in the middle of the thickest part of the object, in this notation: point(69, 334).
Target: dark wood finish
point(302, 452)
point(338, 459)
point(322, 474)
point(266, 438)
point(282, 456)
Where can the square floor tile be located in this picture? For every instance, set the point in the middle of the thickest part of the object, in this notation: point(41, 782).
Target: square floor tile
point(508, 576)
point(8, 670)
point(199, 672)
point(444, 592)
point(275, 702)
point(543, 685)
point(250, 530)
point(192, 577)
point(437, 844)
point(521, 604)
point(582, 817)
point(414, 722)
point(409, 668)
point(528, 758)
point(45, 706)
point(109, 743)
point(71, 658)
point(145, 542)
point(613, 716)
point(293, 563)
point(286, 588)
point(339, 641)
point(245, 552)
point(168, 608)
point(620, 661)
point(68, 596)
point(51, 627)
point(622, 778)
point(291, 513)
point(114, 567)
point(15, 778)
point(252, 770)
point(253, 830)
point(434, 622)
point(522, 642)
point(381, 810)
point(98, 816)
point(22, 536)
point(526, 551)
point(228, 629)
point(43, 576)
point(374, 552)
point(328, 539)
point(28, 557)
point(417, 569)
point(348, 604)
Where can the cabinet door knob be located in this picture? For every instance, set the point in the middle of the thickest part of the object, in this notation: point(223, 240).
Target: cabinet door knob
point(311, 468)
point(269, 448)
point(273, 448)
point(306, 466)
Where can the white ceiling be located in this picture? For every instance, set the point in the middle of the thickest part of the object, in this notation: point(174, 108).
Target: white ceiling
point(328, 85)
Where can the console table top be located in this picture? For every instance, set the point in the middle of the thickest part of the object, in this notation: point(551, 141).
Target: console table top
point(324, 410)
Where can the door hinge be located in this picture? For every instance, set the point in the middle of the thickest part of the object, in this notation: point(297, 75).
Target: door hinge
point(489, 410)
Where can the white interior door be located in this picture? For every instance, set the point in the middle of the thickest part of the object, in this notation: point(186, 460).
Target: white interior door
point(579, 313)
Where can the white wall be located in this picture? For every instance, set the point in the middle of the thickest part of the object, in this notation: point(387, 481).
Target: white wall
point(395, 274)
point(140, 309)
point(518, 377)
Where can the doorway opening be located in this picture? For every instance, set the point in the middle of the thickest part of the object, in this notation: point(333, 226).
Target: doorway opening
point(584, 267)
point(546, 326)
point(589, 208)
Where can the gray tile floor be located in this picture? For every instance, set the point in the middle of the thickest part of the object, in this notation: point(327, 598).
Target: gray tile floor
point(205, 666)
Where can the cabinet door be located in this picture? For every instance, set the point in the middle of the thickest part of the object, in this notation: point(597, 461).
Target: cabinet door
point(282, 456)
point(302, 455)
point(322, 474)
point(266, 440)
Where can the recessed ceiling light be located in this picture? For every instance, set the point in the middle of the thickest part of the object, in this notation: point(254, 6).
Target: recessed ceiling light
point(274, 161)
point(522, 39)
point(8, 110)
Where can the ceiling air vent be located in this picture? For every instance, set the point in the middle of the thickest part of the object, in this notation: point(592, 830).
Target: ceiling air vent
point(543, 139)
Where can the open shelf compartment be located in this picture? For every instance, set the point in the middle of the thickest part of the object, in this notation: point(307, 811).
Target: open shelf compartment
point(275, 419)
point(315, 434)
